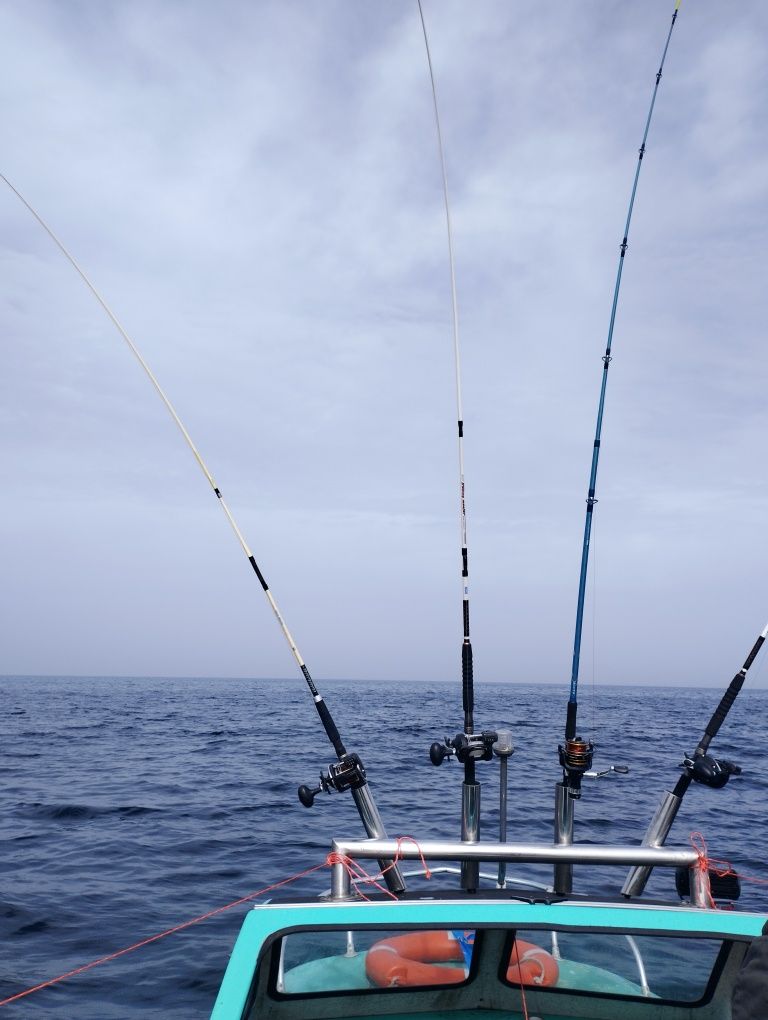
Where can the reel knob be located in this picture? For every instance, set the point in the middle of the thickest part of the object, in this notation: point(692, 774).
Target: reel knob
point(307, 794)
point(439, 752)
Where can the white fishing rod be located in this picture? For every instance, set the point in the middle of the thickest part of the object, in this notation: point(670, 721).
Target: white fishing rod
point(346, 774)
point(469, 747)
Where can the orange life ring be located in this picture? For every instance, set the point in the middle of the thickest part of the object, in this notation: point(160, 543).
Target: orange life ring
point(412, 960)
point(531, 965)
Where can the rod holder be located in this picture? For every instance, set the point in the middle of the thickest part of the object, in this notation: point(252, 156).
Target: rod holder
point(470, 833)
point(655, 836)
point(563, 871)
point(374, 826)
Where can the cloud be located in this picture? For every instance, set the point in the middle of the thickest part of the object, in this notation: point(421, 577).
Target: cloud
point(256, 191)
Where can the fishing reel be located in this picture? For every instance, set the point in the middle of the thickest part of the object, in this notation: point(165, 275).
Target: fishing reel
point(709, 771)
point(465, 746)
point(576, 761)
point(345, 774)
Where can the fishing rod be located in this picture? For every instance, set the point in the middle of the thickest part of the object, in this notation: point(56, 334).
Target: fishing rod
point(575, 754)
point(469, 747)
point(699, 767)
point(348, 773)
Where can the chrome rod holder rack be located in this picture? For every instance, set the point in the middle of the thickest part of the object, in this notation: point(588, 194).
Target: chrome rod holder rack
point(520, 853)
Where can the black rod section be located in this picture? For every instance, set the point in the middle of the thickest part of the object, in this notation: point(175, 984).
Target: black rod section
point(700, 768)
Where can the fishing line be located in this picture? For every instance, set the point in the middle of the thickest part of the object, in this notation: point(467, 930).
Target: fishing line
point(594, 634)
point(469, 747)
point(570, 728)
point(322, 709)
point(467, 678)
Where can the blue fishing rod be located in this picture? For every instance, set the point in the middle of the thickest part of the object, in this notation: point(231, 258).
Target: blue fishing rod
point(468, 747)
point(575, 754)
point(348, 772)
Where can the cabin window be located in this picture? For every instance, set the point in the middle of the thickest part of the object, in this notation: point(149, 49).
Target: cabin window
point(314, 962)
point(673, 968)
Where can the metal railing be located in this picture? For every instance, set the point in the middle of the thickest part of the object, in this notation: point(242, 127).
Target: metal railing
point(521, 853)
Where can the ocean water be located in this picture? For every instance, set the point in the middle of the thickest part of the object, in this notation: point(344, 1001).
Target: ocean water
point(130, 805)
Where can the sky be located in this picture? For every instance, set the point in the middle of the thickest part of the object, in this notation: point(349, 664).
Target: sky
point(255, 189)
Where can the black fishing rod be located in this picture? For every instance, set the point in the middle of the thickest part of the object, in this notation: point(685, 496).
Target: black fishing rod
point(468, 747)
point(575, 754)
point(348, 773)
point(699, 767)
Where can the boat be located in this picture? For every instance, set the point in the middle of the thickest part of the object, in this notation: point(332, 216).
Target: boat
point(478, 940)
point(449, 928)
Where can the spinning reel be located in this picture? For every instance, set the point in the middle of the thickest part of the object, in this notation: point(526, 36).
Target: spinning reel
point(576, 761)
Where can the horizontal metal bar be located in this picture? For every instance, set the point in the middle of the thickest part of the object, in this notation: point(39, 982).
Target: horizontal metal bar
point(529, 853)
point(532, 853)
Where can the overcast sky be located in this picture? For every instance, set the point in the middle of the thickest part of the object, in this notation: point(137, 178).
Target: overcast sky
point(255, 188)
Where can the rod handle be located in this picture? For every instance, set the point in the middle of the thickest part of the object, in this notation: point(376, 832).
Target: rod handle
point(722, 710)
point(467, 682)
point(330, 727)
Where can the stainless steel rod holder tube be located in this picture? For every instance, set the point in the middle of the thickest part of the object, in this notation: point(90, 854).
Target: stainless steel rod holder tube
point(502, 816)
point(563, 878)
point(375, 828)
point(656, 835)
point(470, 833)
point(701, 892)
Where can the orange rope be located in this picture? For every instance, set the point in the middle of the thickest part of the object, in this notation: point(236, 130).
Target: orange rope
point(161, 935)
point(716, 866)
point(357, 873)
point(516, 953)
point(399, 855)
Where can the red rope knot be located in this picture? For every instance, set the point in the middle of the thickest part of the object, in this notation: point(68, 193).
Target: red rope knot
point(706, 863)
point(357, 873)
point(399, 855)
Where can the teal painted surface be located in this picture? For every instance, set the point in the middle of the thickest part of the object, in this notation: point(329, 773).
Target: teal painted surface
point(261, 922)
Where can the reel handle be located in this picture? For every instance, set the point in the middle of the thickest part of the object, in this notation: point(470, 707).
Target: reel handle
point(307, 794)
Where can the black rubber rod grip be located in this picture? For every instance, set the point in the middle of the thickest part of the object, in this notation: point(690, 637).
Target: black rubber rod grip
point(330, 728)
point(467, 681)
point(570, 720)
point(722, 710)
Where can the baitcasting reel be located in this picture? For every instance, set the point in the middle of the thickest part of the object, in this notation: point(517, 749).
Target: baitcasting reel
point(465, 746)
point(345, 774)
point(709, 771)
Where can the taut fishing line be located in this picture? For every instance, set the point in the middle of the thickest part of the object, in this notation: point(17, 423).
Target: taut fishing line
point(325, 716)
point(467, 677)
point(469, 746)
point(349, 774)
point(572, 758)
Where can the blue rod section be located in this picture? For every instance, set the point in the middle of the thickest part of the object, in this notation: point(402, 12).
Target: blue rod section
point(570, 728)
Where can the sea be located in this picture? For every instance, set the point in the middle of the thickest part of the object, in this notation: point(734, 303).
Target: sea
point(132, 805)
